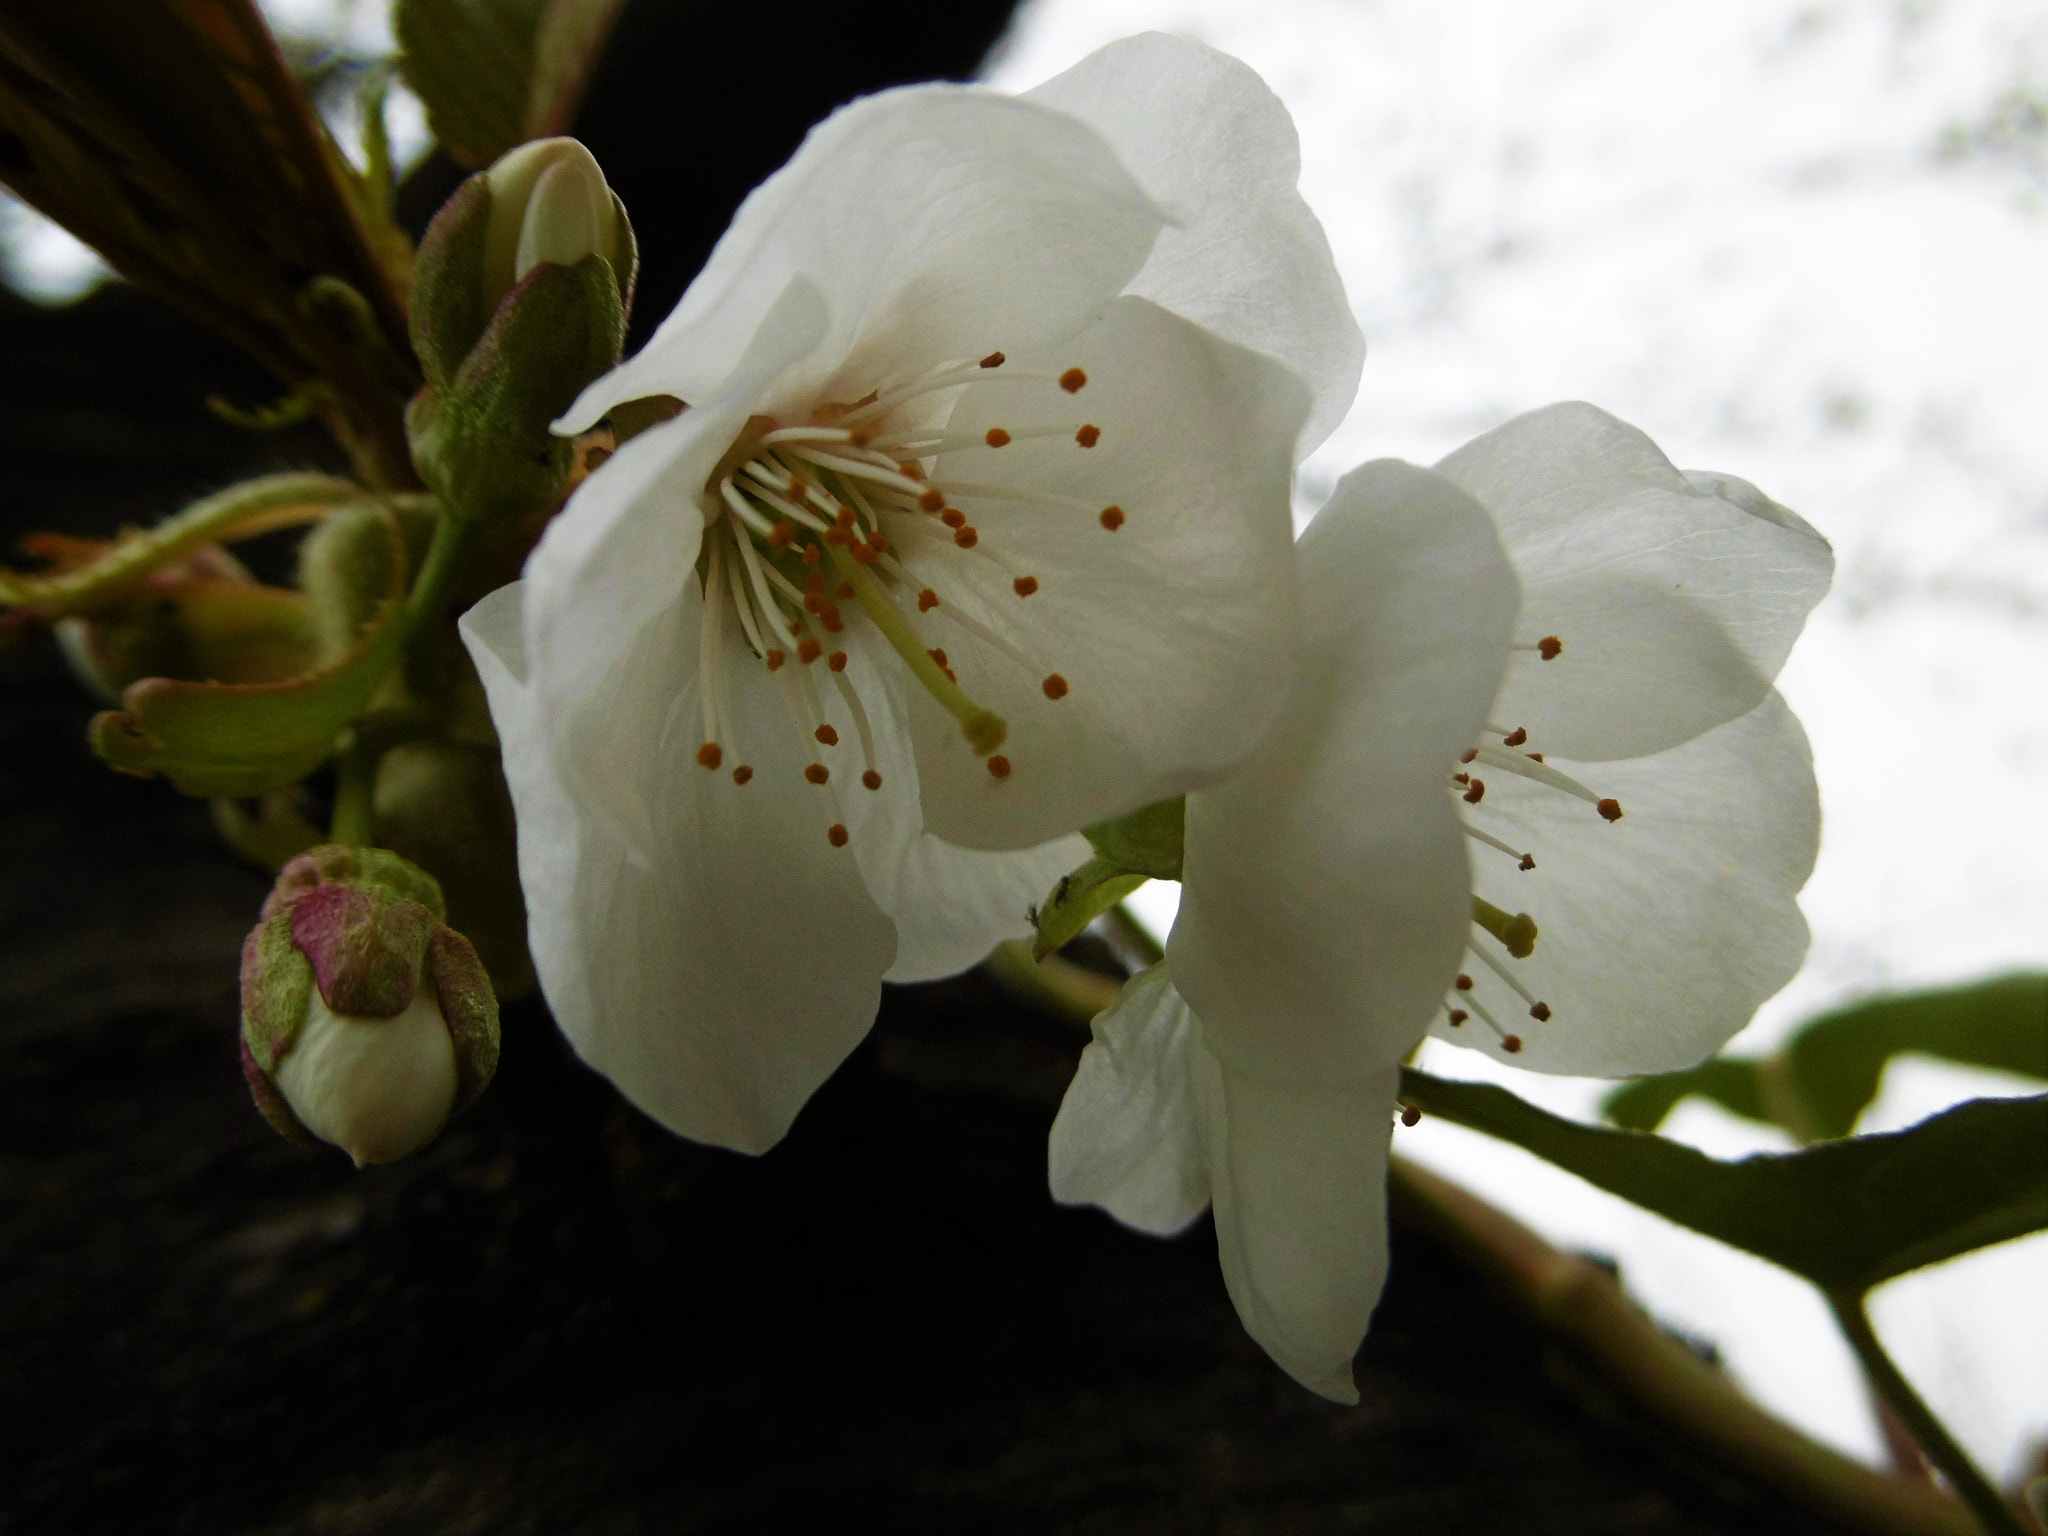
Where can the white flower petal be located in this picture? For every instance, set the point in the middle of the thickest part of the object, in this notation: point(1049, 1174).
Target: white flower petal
point(1676, 599)
point(1245, 258)
point(939, 221)
point(1327, 895)
point(951, 905)
point(1298, 1179)
point(612, 598)
point(1170, 633)
point(1660, 934)
point(719, 983)
point(1128, 1136)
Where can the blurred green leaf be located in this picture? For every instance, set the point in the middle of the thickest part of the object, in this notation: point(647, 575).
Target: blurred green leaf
point(1827, 1073)
point(496, 73)
point(245, 740)
point(1846, 1215)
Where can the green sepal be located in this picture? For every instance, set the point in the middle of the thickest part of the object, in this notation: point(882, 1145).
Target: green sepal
point(205, 629)
point(1822, 1079)
point(377, 869)
point(1078, 899)
point(1150, 841)
point(448, 299)
point(277, 990)
point(483, 443)
point(1846, 1215)
point(239, 740)
point(469, 1007)
point(444, 805)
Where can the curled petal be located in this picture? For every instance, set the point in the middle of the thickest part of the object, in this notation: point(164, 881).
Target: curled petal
point(1660, 934)
point(1244, 256)
point(1170, 633)
point(1676, 598)
point(720, 981)
point(1327, 895)
point(1128, 1136)
point(1298, 1178)
point(939, 221)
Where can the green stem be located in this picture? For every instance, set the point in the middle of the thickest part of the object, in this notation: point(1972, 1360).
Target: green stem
point(355, 784)
point(440, 574)
point(1970, 1485)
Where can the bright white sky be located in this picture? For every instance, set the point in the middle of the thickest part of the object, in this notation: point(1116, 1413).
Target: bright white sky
point(1798, 241)
point(1802, 243)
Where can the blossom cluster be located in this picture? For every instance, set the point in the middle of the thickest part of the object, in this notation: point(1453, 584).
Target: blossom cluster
point(965, 523)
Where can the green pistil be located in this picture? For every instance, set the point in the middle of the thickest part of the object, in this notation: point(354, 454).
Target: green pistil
point(984, 729)
point(1517, 934)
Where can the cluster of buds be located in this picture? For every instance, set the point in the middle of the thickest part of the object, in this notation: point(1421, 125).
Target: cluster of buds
point(520, 295)
point(366, 1019)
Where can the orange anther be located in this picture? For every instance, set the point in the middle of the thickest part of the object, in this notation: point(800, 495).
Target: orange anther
point(814, 582)
point(910, 469)
point(814, 603)
point(872, 779)
point(993, 360)
point(817, 773)
point(1550, 647)
point(836, 661)
point(1610, 810)
point(927, 600)
point(836, 835)
point(1540, 1013)
point(1458, 1016)
point(865, 554)
point(1528, 861)
point(938, 654)
point(741, 774)
point(812, 554)
point(1112, 518)
point(1515, 737)
point(996, 437)
point(1055, 687)
point(782, 535)
point(966, 537)
point(808, 650)
point(831, 620)
point(844, 591)
point(1025, 585)
point(1072, 380)
point(1476, 793)
point(827, 735)
point(1411, 1114)
point(1088, 436)
point(1464, 982)
point(1511, 1044)
point(710, 755)
point(845, 518)
point(835, 536)
point(1535, 757)
point(775, 658)
point(953, 517)
point(999, 767)
point(1468, 754)
point(932, 500)
point(877, 541)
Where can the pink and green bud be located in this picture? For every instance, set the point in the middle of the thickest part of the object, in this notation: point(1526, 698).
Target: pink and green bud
point(366, 1020)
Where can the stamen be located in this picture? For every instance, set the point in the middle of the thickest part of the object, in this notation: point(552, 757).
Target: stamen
point(1457, 1016)
point(1549, 647)
point(709, 755)
point(927, 600)
point(1025, 585)
point(1514, 985)
point(710, 632)
point(1088, 436)
point(741, 774)
point(1055, 686)
point(818, 773)
point(1610, 810)
point(1475, 791)
point(836, 835)
point(1525, 860)
point(1112, 518)
point(1517, 933)
point(1411, 1114)
point(984, 729)
point(739, 601)
point(999, 767)
point(993, 360)
point(851, 697)
point(1072, 380)
point(826, 736)
point(996, 437)
point(1509, 1043)
point(857, 469)
point(1533, 768)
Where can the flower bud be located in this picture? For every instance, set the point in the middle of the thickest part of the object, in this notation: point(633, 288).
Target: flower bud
point(366, 1020)
point(520, 294)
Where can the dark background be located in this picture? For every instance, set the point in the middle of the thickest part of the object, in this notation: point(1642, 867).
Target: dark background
point(560, 1319)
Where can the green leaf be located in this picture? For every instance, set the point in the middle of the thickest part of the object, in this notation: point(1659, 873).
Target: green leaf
point(1846, 1215)
point(1827, 1073)
point(1150, 841)
point(1079, 899)
point(496, 73)
point(243, 740)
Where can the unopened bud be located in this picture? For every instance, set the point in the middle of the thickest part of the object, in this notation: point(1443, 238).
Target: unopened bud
point(366, 1020)
point(521, 289)
point(549, 202)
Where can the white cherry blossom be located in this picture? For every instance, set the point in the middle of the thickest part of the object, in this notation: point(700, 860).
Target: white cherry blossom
point(974, 531)
point(1406, 855)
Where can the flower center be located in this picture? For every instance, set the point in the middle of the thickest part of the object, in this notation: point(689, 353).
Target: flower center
point(1512, 934)
point(846, 510)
